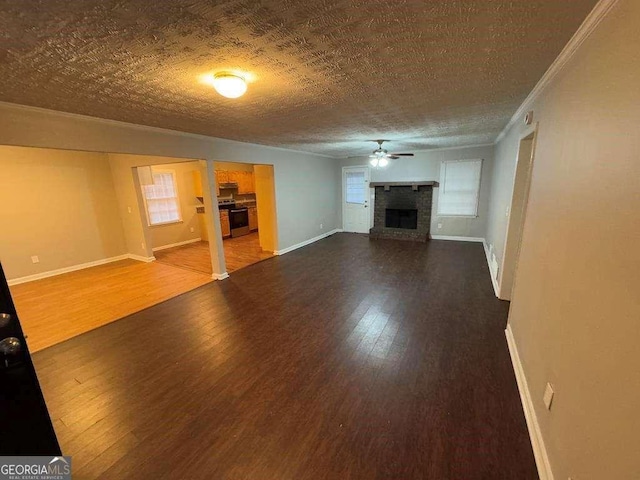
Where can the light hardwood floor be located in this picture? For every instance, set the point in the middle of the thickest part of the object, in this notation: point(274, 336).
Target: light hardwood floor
point(58, 308)
point(239, 252)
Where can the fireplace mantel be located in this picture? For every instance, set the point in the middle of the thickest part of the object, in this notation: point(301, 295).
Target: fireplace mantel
point(414, 185)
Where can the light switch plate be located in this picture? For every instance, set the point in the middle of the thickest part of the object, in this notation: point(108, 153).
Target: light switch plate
point(35, 259)
point(548, 396)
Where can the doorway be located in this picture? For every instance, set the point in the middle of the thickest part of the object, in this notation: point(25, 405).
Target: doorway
point(78, 254)
point(246, 203)
point(517, 212)
point(172, 196)
point(355, 199)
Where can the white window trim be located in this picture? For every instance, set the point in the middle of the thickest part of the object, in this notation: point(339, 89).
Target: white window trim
point(442, 183)
point(175, 186)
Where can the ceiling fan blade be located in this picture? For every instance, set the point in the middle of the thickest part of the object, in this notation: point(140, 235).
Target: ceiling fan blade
point(402, 154)
point(393, 157)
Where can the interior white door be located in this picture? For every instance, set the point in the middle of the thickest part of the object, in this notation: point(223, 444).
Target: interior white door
point(355, 199)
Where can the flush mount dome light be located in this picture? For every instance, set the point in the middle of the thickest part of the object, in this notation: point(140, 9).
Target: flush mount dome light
point(229, 85)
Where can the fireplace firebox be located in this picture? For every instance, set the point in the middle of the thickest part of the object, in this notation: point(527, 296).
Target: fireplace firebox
point(401, 218)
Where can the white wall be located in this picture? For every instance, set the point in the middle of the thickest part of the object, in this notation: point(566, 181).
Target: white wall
point(59, 205)
point(426, 166)
point(306, 191)
point(504, 170)
point(575, 313)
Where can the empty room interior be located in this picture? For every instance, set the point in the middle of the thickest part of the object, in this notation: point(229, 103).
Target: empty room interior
point(320, 240)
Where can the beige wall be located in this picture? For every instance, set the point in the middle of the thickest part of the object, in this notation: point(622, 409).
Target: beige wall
point(139, 236)
point(162, 235)
point(307, 193)
point(575, 313)
point(426, 166)
point(59, 205)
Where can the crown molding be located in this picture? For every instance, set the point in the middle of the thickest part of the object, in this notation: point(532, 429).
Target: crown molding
point(599, 12)
point(148, 128)
point(461, 147)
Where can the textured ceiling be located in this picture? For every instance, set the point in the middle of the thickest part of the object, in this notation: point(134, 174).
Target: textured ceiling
point(327, 75)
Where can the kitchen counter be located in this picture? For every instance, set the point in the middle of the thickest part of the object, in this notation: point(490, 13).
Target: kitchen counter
point(245, 203)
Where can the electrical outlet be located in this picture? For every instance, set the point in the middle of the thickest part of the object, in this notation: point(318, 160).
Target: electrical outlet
point(129, 209)
point(321, 226)
point(35, 259)
point(506, 213)
point(142, 245)
point(548, 396)
point(439, 225)
point(192, 229)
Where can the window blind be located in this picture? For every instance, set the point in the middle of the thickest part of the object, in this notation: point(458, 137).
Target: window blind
point(355, 188)
point(161, 199)
point(459, 188)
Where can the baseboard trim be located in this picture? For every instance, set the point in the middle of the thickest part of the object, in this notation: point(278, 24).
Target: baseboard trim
point(457, 239)
point(178, 244)
point(140, 258)
point(492, 274)
point(537, 442)
point(60, 271)
point(306, 242)
point(219, 276)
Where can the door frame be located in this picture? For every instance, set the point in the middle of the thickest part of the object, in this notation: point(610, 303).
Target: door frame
point(511, 259)
point(367, 194)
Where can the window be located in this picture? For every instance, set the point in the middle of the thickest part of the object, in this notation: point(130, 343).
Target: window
point(459, 188)
point(355, 187)
point(161, 199)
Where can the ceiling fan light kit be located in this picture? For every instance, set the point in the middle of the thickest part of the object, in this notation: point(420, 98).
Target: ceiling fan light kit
point(380, 157)
point(379, 162)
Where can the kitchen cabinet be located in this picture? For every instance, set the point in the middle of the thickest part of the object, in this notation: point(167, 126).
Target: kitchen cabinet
point(236, 177)
point(248, 182)
point(253, 218)
point(242, 182)
point(222, 176)
point(224, 223)
point(245, 181)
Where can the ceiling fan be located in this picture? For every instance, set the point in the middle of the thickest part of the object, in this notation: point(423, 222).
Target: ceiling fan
point(380, 156)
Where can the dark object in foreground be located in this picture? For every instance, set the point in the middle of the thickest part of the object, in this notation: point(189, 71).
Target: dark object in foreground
point(24, 419)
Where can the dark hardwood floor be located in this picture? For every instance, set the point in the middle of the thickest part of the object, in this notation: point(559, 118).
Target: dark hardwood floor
point(346, 359)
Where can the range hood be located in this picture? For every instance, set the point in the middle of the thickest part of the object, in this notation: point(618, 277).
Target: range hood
point(228, 185)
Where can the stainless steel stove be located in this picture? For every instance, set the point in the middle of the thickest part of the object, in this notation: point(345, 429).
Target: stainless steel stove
point(238, 216)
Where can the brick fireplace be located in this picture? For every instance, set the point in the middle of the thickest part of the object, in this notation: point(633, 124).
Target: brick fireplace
point(402, 210)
